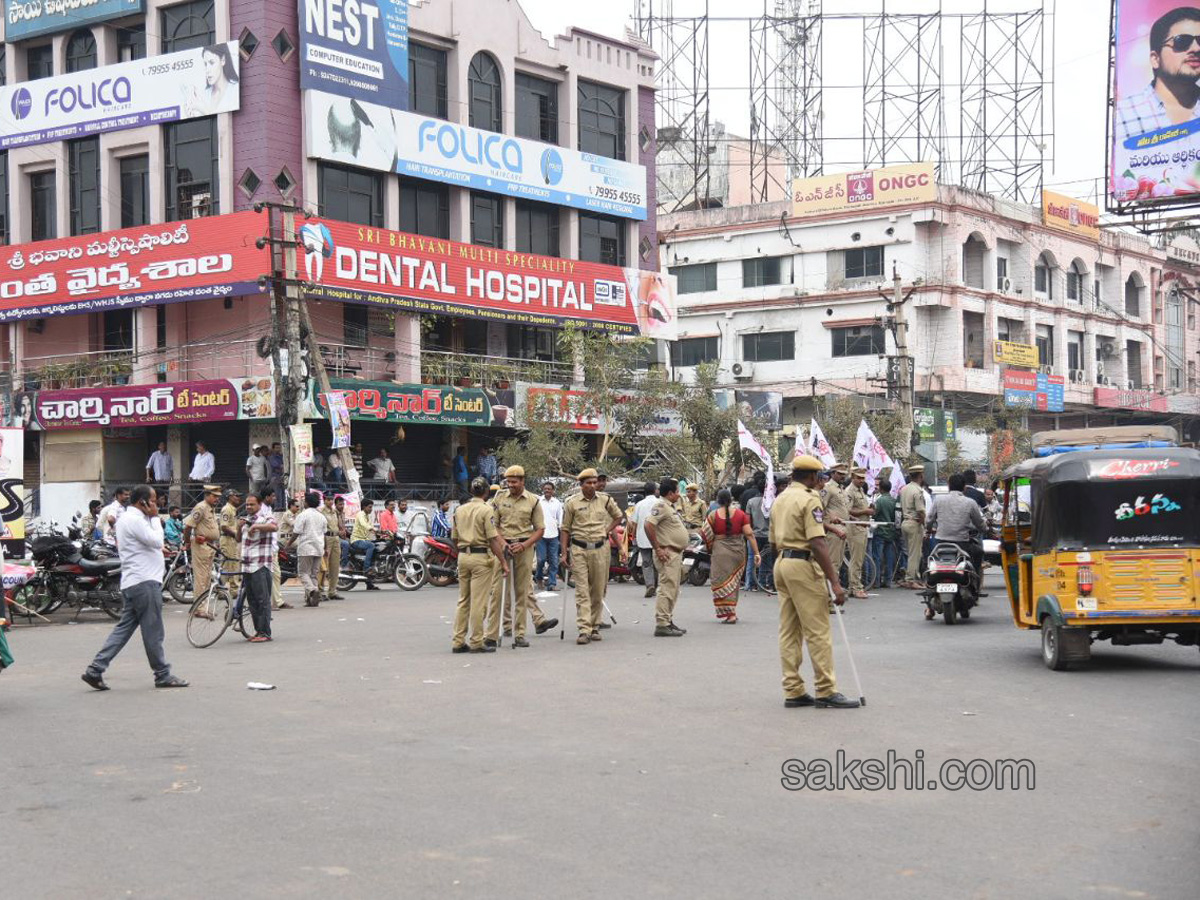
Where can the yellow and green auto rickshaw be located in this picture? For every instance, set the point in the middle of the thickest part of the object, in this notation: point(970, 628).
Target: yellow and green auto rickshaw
point(1101, 540)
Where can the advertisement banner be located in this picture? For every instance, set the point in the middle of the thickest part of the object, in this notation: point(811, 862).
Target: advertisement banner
point(385, 401)
point(1043, 393)
point(193, 260)
point(189, 84)
point(1071, 215)
point(302, 443)
point(181, 403)
point(356, 264)
point(936, 424)
point(570, 408)
point(872, 189)
point(355, 49)
point(339, 419)
point(30, 18)
point(1016, 354)
point(1117, 398)
point(12, 491)
point(766, 406)
point(374, 137)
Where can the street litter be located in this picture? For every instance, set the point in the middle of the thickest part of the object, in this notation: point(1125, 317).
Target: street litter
point(259, 686)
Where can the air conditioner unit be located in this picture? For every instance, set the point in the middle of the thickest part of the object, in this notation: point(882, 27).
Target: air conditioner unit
point(1077, 376)
point(1046, 370)
point(743, 371)
point(1108, 348)
point(1006, 285)
point(1099, 371)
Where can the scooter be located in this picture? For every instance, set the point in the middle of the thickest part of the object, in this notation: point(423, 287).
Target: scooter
point(697, 562)
point(952, 583)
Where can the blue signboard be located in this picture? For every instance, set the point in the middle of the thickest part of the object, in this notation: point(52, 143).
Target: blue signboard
point(356, 49)
point(30, 18)
point(1036, 390)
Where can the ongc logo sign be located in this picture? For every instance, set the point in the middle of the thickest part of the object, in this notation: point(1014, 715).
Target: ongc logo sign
point(455, 143)
point(865, 187)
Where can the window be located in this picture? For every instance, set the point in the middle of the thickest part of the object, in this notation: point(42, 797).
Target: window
point(760, 271)
point(39, 62)
point(1075, 351)
point(484, 102)
point(769, 346)
point(601, 120)
point(81, 51)
point(1096, 291)
point(1044, 340)
point(696, 278)
point(861, 340)
point(3, 65)
point(972, 339)
point(83, 160)
point(118, 329)
point(1075, 276)
point(4, 197)
point(192, 176)
point(1011, 330)
point(424, 208)
point(427, 91)
point(350, 195)
point(1191, 315)
point(1043, 283)
point(537, 108)
point(43, 218)
point(131, 42)
point(531, 342)
point(537, 228)
point(694, 351)
point(135, 191)
point(487, 220)
point(1133, 297)
point(160, 327)
point(1192, 375)
point(864, 262)
point(1001, 270)
point(355, 324)
point(188, 26)
point(601, 239)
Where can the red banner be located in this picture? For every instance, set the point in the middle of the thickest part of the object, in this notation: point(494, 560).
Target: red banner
point(439, 277)
point(192, 260)
point(1116, 398)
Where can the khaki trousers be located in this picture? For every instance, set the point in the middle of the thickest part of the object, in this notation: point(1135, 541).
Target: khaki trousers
point(912, 531)
point(837, 549)
point(857, 538)
point(522, 582)
point(202, 567)
point(233, 563)
point(328, 579)
point(589, 568)
point(474, 585)
point(804, 618)
point(276, 593)
point(668, 587)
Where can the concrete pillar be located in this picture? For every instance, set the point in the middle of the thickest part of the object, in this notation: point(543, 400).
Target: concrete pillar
point(408, 349)
point(145, 343)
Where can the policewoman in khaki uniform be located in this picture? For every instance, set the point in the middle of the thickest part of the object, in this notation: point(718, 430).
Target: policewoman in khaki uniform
point(912, 524)
point(334, 528)
point(861, 510)
point(669, 538)
point(521, 522)
point(479, 544)
point(804, 574)
point(837, 511)
point(201, 532)
point(231, 545)
point(588, 519)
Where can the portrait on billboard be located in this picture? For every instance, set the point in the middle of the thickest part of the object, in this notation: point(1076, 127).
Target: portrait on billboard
point(1156, 113)
point(219, 77)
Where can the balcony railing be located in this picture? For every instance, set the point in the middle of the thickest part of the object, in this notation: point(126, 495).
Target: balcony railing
point(439, 367)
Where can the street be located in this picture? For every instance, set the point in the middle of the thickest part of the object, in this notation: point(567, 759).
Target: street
point(383, 765)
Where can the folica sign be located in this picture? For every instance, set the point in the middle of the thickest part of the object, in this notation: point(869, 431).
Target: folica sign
point(356, 49)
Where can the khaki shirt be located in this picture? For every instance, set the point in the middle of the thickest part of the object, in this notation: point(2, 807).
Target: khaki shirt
point(589, 520)
point(797, 518)
point(287, 524)
point(203, 519)
point(518, 517)
point(474, 524)
point(693, 511)
point(912, 501)
point(230, 546)
point(669, 529)
point(856, 499)
point(333, 522)
point(836, 501)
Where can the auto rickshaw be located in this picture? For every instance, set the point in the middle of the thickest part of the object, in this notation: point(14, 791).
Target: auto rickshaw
point(1101, 540)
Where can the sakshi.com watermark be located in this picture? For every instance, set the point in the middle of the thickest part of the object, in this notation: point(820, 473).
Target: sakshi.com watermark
point(895, 772)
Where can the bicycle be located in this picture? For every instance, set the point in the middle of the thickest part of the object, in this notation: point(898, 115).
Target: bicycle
point(212, 613)
point(869, 573)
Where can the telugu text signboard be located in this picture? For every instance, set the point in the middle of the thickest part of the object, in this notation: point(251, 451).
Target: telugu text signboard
point(1016, 354)
point(1118, 398)
point(385, 401)
point(1044, 393)
point(356, 49)
point(936, 424)
point(364, 134)
point(872, 189)
point(1071, 215)
point(193, 260)
point(572, 408)
point(168, 88)
point(356, 264)
point(31, 18)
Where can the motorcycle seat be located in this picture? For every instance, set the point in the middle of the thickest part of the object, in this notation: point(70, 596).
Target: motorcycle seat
point(99, 565)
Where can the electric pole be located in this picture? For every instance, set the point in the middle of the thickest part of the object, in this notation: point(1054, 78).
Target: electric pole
point(904, 374)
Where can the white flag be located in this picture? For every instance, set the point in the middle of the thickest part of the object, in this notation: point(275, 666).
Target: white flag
point(819, 447)
point(748, 441)
point(870, 454)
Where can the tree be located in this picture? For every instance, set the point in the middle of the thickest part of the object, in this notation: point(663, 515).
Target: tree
point(706, 428)
point(841, 419)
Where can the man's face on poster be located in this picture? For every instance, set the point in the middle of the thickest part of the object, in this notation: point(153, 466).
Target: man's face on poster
point(1182, 63)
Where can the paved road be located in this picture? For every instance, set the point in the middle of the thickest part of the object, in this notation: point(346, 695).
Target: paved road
point(385, 766)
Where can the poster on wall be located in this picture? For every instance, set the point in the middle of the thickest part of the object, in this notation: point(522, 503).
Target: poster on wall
point(871, 189)
point(356, 264)
point(12, 492)
point(357, 50)
point(339, 419)
point(348, 131)
point(1155, 139)
point(31, 18)
point(194, 260)
point(189, 84)
point(385, 401)
point(302, 443)
point(570, 408)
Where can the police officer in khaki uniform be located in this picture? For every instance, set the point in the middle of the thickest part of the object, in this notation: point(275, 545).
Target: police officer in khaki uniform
point(201, 532)
point(861, 510)
point(231, 546)
point(692, 509)
point(668, 538)
point(588, 519)
point(912, 524)
point(480, 547)
point(335, 530)
point(804, 574)
point(837, 511)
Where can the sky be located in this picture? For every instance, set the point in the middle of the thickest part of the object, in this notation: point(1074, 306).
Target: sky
point(1077, 41)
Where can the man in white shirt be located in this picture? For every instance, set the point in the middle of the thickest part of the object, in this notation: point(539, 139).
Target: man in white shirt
point(641, 513)
point(160, 468)
point(382, 468)
point(548, 547)
point(258, 470)
point(140, 543)
point(111, 514)
point(309, 529)
point(204, 464)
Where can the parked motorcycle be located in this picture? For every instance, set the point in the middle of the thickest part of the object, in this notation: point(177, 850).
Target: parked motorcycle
point(697, 562)
point(441, 561)
point(952, 583)
point(65, 576)
point(391, 563)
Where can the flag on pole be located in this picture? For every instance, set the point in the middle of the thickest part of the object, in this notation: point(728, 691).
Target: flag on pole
point(748, 441)
point(819, 447)
point(870, 454)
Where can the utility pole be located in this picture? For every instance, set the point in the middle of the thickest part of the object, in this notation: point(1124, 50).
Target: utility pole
point(903, 376)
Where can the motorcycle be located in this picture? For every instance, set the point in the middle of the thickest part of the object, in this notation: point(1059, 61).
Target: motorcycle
point(65, 576)
point(952, 583)
point(697, 562)
point(441, 561)
point(391, 563)
point(177, 580)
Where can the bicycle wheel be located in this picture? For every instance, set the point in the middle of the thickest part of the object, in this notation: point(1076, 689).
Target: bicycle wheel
point(411, 573)
point(179, 584)
point(243, 619)
point(869, 572)
point(208, 618)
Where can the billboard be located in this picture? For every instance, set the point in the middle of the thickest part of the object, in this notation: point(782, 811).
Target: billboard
point(192, 260)
point(189, 84)
point(341, 129)
point(30, 18)
point(127, 406)
point(356, 264)
point(872, 189)
point(12, 491)
point(1016, 354)
point(356, 49)
point(1071, 215)
point(936, 424)
point(1155, 119)
point(1043, 393)
point(570, 408)
point(1118, 398)
point(385, 401)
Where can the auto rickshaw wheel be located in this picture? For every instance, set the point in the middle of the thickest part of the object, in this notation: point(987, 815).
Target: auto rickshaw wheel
point(1063, 646)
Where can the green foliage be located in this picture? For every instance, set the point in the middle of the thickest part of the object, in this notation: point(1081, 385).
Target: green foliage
point(839, 419)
